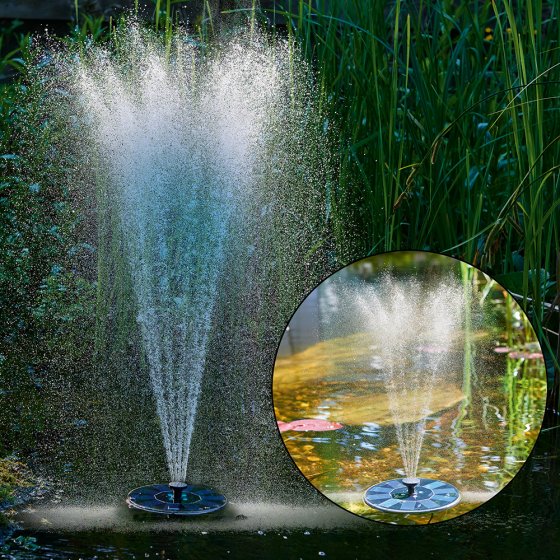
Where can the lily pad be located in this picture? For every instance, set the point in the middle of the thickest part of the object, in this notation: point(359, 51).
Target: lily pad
point(525, 355)
point(309, 425)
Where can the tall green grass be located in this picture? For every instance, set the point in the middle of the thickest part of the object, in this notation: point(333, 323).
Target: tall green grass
point(449, 119)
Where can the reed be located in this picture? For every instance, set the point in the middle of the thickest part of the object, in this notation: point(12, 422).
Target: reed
point(449, 117)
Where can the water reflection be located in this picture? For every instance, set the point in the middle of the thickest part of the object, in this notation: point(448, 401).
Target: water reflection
point(484, 418)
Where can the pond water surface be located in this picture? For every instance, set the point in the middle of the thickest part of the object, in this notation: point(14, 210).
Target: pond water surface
point(520, 522)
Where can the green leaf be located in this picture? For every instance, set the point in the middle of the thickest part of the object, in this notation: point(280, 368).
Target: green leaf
point(513, 281)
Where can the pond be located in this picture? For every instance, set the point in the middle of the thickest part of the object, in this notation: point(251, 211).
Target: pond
point(486, 411)
point(525, 508)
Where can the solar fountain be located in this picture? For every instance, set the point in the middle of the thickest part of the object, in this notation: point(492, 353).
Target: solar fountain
point(176, 498)
point(413, 323)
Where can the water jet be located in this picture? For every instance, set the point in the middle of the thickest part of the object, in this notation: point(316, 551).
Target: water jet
point(198, 157)
point(411, 373)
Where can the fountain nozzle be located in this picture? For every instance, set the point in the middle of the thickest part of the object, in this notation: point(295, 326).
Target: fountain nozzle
point(177, 488)
point(411, 484)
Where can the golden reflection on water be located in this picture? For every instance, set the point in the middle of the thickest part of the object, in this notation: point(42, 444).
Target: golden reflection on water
point(477, 437)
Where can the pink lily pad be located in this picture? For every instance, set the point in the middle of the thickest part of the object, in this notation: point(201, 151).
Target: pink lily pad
point(309, 425)
point(525, 355)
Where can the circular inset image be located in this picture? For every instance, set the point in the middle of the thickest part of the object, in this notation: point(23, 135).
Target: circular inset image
point(409, 387)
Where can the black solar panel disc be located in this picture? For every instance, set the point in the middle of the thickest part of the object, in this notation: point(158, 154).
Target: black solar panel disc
point(158, 498)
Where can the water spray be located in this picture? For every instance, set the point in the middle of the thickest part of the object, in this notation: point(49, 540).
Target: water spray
point(199, 160)
point(397, 311)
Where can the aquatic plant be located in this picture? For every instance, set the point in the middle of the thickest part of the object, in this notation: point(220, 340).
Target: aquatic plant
point(449, 132)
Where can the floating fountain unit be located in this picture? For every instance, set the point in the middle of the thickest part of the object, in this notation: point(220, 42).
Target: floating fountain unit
point(411, 375)
point(412, 495)
point(176, 498)
point(183, 145)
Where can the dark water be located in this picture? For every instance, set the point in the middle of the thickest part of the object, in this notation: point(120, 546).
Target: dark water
point(521, 522)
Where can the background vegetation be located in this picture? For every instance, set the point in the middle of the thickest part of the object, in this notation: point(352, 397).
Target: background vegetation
point(448, 116)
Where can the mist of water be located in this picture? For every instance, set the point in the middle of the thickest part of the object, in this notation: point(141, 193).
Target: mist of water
point(413, 322)
point(206, 160)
